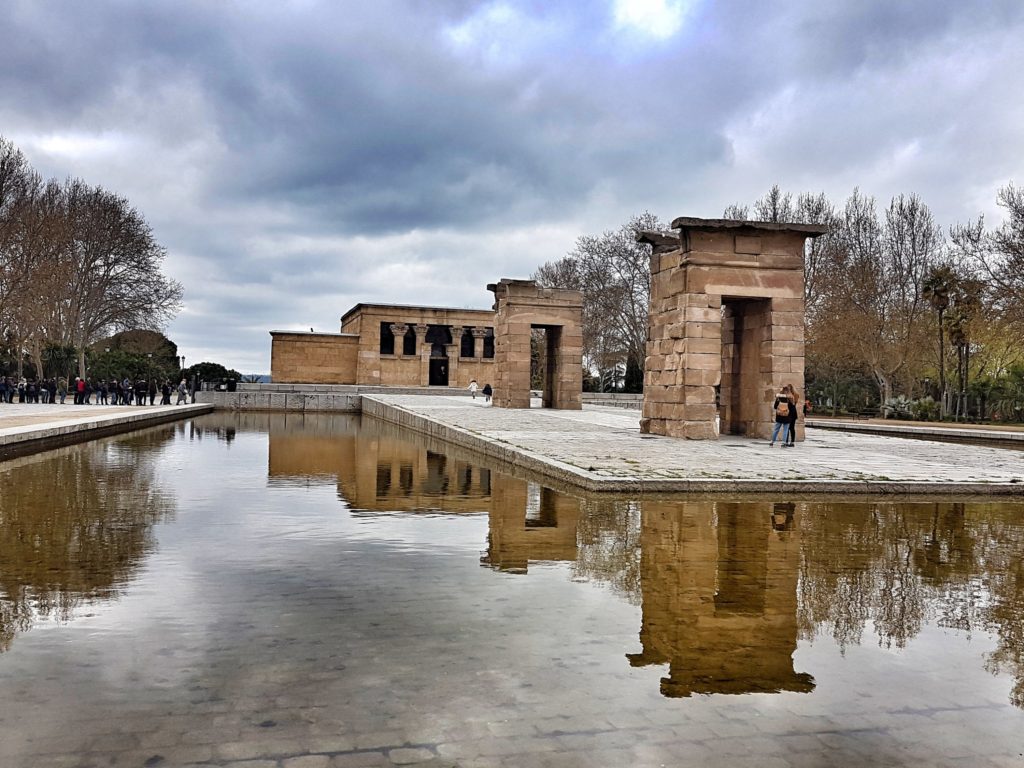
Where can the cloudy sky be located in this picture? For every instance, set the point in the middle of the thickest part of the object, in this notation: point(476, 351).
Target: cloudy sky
point(296, 158)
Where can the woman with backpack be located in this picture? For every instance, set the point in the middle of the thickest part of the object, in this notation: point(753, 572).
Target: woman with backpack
point(782, 407)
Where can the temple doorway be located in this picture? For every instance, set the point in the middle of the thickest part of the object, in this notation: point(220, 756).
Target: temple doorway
point(544, 373)
point(438, 371)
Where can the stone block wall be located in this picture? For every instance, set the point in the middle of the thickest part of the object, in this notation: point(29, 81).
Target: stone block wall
point(313, 358)
point(683, 364)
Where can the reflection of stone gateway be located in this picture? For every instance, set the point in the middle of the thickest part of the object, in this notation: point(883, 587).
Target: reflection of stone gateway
point(727, 310)
point(719, 598)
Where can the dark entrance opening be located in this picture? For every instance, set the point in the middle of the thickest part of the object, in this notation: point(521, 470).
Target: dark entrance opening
point(438, 337)
point(438, 372)
point(544, 344)
point(746, 326)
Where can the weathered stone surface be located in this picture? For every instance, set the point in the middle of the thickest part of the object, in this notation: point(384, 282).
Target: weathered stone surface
point(726, 311)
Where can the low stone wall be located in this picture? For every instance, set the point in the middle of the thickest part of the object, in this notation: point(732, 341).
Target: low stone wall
point(343, 398)
point(281, 401)
point(614, 399)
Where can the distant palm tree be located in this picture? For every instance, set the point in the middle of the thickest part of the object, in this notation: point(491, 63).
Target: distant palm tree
point(936, 289)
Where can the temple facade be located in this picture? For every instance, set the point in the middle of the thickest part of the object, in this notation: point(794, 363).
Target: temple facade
point(396, 345)
point(391, 345)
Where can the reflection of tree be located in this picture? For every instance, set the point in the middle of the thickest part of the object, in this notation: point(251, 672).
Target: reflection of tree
point(74, 525)
point(609, 545)
point(902, 565)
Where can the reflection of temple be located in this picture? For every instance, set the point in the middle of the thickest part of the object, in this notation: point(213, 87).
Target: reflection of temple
point(378, 468)
point(719, 597)
point(530, 523)
point(374, 468)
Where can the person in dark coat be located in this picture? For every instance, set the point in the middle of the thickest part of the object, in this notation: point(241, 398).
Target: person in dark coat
point(794, 410)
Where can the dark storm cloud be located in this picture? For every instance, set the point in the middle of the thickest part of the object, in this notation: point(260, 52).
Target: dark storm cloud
point(371, 118)
point(298, 157)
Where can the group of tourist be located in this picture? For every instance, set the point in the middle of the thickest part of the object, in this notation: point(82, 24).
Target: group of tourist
point(84, 391)
point(786, 406)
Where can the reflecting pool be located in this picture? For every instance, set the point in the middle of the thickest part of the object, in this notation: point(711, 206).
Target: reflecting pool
point(320, 591)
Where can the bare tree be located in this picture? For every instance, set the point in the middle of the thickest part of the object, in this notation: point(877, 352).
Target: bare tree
point(875, 297)
point(775, 206)
point(613, 272)
point(736, 212)
point(999, 255)
point(17, 182)
point(115, 279)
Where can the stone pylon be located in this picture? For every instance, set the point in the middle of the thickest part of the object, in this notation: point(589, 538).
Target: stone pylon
point(726, 325)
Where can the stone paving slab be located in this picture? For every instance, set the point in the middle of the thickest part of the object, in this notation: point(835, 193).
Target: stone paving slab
point(29, 427)
point(944, 431)
point(601, 449)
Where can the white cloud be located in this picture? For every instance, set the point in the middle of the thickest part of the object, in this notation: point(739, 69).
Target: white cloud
point(659, 19)
point(501, 36)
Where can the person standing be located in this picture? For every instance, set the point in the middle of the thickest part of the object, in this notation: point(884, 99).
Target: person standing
point(782, 406)
point(487, 392)
point(472, 388)
point(152, 391)
point(794, 411)
point(182, 393)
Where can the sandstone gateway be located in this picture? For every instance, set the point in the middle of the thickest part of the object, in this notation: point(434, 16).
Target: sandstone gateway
point(727, 313)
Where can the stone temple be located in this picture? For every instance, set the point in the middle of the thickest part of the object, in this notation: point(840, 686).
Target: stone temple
point(395, 345)
point(725, 333)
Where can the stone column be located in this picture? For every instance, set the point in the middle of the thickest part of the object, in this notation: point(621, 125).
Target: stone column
point(423, 350)
point(684, 365)
point(478, 342)
point(398, 331)
point(454, 349)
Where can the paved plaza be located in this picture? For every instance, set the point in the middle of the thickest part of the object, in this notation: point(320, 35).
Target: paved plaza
point(37, 426)
point(601, 448)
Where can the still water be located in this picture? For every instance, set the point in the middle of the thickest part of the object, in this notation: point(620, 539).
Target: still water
point(316, 591)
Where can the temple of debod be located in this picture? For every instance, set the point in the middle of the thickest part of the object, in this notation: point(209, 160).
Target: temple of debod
point(725, 332)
